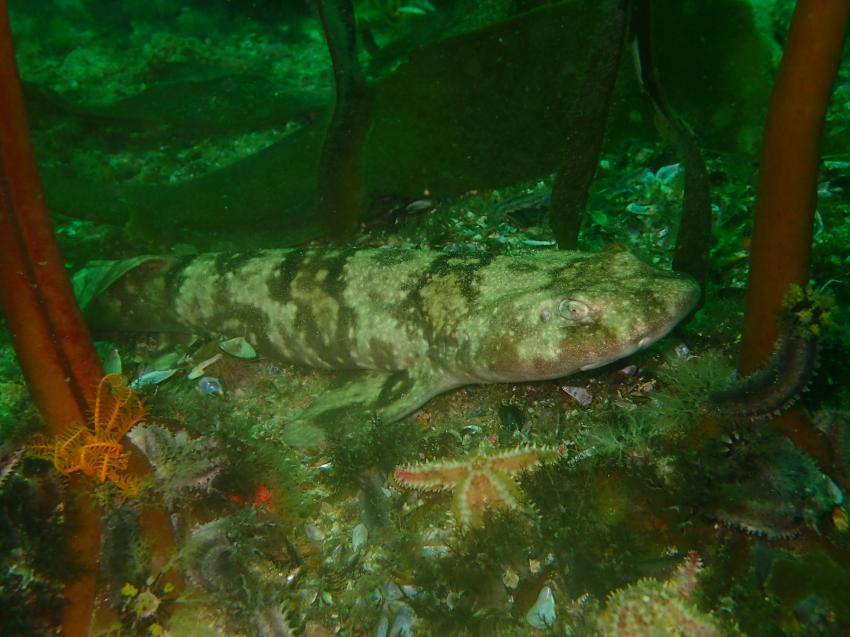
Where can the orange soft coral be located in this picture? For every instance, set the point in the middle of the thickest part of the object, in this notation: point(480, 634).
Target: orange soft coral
point(96, 449)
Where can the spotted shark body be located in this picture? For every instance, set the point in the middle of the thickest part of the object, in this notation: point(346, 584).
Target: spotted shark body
point(414, 323)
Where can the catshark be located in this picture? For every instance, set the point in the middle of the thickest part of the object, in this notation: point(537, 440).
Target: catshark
point(414, 323)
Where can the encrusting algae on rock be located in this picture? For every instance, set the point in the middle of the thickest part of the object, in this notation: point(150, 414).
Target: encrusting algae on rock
point(483, 479)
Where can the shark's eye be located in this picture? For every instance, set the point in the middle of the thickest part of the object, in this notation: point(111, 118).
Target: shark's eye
point(573, 310)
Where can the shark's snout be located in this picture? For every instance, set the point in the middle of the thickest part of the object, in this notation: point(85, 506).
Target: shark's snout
point(676, 298)
point(645, 316)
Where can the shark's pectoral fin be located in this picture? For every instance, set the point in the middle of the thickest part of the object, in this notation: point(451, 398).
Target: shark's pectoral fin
point(358, 397)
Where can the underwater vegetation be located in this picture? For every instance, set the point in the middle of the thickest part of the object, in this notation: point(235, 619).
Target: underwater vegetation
point(183, 466)
point(660, 495)
point(234, 561)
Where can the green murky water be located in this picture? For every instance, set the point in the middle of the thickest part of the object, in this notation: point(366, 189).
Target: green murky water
point(425, 160)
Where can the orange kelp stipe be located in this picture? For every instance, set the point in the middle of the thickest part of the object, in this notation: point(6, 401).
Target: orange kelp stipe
point(50, 339)
point(787, 188)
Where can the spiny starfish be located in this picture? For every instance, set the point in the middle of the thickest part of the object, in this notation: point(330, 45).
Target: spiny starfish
point(484, 478)
point(649, 608)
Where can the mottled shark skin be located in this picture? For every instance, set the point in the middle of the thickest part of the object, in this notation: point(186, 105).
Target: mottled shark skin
point(416, 323)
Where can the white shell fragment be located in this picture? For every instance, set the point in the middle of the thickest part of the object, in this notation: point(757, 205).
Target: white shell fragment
point(112, 362)
point(638, 209)
point(668, 173)
point(359, 536)
point(419, 205)
point(538, 243)
point(237, 347)
point(313, 532)
point(542, 614)
point(579, 394)
point(383, 627)
point(392, 591)
point(402, 622)
point(152, 378)
point(198, 370)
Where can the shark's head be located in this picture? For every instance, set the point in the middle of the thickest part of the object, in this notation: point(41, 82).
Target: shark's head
point(566, 312)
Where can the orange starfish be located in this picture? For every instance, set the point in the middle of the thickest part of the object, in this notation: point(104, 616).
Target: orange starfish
point(483, 479)
point(96, 449)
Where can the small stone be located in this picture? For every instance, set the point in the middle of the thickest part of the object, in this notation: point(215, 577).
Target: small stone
point(409, 590)
point(402, 622)
point(419, 205)
point(668, 173)
point(359, 536)
point(383, 627)
point(391, 591)
point(638, 209)
point(434, 552)
point(510, 578)
point(313, 532)
point(542, 614)
point(112, 362)
point(579, 394)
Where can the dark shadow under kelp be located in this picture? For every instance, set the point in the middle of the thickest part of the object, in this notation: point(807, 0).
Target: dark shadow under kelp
point(32, 535)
